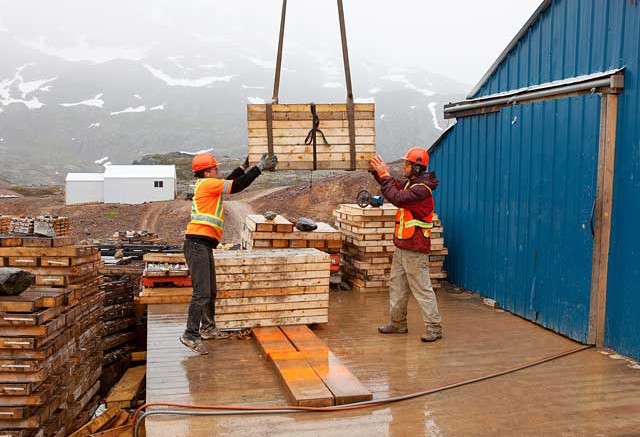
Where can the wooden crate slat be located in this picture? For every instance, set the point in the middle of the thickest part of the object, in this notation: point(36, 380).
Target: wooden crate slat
point(289, 131)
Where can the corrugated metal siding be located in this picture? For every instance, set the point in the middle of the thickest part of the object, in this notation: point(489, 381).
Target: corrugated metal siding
point(515, 198)
point(571, 38)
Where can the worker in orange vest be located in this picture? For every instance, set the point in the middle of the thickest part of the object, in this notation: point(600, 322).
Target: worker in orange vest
point(203, 234)
point(411, 236)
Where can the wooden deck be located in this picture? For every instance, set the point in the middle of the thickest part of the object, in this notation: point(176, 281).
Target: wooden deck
point(585, 394)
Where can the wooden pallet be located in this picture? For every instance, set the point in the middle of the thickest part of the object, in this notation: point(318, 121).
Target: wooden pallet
point(290, 126)
point(311, 373)
point(258, 288)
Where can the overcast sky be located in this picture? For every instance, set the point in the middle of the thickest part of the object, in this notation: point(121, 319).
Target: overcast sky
point(457, 38)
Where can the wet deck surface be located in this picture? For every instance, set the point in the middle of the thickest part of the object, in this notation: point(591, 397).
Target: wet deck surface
point(585, 394)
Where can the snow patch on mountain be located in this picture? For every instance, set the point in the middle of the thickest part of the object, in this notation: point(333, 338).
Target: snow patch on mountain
point(432, 109)
point(174, 60)
point(401, 78)
point(332, 85)
point(157, 108)
point(94, 125)
point(255, 100)
point(129, 110)
point(196, 153)
point(137, 96)
point(375, 90)
point(25, 88)
point(82, 51)
point(96, 101)
point(247, 87)
point(199, 82)
point(101, 160)
point(364, 100)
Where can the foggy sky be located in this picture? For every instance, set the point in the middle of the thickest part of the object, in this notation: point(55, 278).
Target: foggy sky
point(457, 38)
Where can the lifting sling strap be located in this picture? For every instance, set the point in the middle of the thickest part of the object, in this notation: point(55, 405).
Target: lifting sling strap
point(350, 103)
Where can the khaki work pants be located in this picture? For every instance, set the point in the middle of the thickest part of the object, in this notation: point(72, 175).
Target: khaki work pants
point(410, 271)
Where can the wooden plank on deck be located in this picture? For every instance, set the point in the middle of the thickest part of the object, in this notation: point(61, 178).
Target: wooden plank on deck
point(346, 388)
point(272, 340)
point(303, 385)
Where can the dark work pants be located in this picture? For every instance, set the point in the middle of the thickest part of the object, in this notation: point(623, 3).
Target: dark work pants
point(199, 257)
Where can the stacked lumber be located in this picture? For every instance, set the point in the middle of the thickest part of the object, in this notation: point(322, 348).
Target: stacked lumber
point(21, 225)
point(260, 233)
point(50, 346)
point(46, 226)
point(135, 250)
point(119, 333)
point(52, 226)
point(5, 221)
point(128, 390)
point(291, 124)
point(113, 422)
point(313, 376)
point(368, 247)
point(143, 236)
point(438, 254)
point(255, 288)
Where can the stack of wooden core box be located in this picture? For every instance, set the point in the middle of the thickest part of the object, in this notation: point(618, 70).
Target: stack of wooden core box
point(50, 344)
point(368, 247)
point(279, 233)
point(255, 288)
point(52, 226)
point(120, 329)
point(21, 225)
point(291, 125)
point(367, 235)
point(5, 221)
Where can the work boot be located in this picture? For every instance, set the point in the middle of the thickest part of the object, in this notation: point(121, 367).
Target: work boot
point(196, 346)
point(434, 332)
point(213, 334)
point(393, 328)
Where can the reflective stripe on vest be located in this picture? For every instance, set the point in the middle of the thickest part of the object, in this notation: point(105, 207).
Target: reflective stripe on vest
point(214, 220)
point(405, 229)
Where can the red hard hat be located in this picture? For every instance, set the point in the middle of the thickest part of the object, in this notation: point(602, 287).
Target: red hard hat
point(203, 161)
point(417, 155)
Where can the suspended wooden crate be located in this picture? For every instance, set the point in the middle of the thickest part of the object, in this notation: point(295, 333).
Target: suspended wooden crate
point(291, 125)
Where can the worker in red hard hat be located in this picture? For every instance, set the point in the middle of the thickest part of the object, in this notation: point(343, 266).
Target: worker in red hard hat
point(204, 233)
point(411, 236)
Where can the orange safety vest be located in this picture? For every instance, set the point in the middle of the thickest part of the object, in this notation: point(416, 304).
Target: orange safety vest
point(406, 224)
point(207, 210)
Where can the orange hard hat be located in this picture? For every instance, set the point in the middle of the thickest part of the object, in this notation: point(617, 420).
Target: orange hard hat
point(417, 155)
point(203, 161)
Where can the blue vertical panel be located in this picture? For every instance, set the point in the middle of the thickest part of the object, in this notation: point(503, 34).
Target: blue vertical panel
point(551, 149)
point(523, 186)
point(622, 327)
point(571, 37)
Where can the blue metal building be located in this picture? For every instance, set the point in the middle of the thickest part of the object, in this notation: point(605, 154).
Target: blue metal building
point(540, 192)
